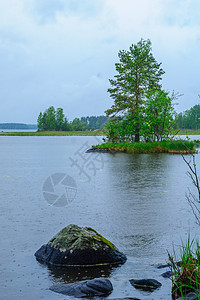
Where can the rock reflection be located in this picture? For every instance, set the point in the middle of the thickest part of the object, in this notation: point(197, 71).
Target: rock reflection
point(72, 274)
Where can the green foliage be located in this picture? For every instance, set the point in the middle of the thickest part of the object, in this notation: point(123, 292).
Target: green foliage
point(60, 119)
point(186, 278)
point(52, 120)
point(120, 130)
point(94, 122)
point(138, 72)
point(55, 120)
point(178, 147)
point(190, 119)
point(40, 121)
point(156, 120)
point(77, 125)
point(158, 114)
point(47, 120)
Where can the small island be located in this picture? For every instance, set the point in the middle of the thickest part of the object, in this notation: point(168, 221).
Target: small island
point(173, 147)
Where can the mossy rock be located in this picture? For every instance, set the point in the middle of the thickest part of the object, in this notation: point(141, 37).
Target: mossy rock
point(79, 246)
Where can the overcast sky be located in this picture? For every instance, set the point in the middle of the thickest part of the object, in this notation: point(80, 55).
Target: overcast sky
point(62, 52)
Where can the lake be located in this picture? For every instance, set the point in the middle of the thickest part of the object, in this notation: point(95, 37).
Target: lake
point(136, 201)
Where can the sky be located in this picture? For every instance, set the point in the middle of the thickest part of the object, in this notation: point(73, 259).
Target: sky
point(63, 52)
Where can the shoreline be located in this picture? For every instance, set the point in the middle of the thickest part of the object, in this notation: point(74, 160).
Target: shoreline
point(97, 132)
point(52, 133)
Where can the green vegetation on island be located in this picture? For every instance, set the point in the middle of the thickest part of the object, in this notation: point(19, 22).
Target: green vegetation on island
point(142, 116)
point(141, 107)
point(177, 146)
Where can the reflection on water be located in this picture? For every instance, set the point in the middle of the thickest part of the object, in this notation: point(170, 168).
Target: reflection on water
point(136, 201)
point(72, 274)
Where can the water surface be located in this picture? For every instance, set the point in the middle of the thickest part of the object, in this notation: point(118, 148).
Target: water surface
point(136, 201)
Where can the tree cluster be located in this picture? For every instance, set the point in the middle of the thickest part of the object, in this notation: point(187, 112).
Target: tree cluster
point(54, 120)
point(141, 107)
point(190, 119)
point(94, 122)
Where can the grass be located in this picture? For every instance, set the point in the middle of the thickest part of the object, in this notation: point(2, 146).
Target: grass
point(97, 132)
point(54, 133)
point(187, 132)
point(186, 278)
point(177, 146)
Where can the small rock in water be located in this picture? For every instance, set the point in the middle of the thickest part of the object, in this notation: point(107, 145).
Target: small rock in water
point(167, 274)
point(91, 288)
point(145, 284)
point(159, 266)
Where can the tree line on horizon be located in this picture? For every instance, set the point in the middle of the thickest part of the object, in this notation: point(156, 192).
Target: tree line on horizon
point(18, 126)
point(50, 120)
point(55, 120)
point(189, 119)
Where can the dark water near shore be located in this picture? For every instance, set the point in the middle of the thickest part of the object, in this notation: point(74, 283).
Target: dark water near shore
point(136, 201)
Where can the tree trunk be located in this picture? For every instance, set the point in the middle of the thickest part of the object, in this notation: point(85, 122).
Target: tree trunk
point(137, 137)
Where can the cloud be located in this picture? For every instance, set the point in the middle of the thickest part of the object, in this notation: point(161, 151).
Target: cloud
point(51, 51)
point(47, 11)
point(182, 13)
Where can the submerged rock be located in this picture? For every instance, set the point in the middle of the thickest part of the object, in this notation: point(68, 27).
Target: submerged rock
point(79, 246)
point(167, 274)
point(86, 288)
point(145, 284)
point(190, 296)
point(160, 266)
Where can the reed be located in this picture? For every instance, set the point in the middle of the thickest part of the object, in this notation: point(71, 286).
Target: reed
point(186, 277)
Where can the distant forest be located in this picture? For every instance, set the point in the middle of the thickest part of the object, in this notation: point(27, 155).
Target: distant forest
point(55, 120)
point(189, 119)
point(18, 126)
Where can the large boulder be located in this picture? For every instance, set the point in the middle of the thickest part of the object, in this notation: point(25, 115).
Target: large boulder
point(79, 246)
point(86, 288)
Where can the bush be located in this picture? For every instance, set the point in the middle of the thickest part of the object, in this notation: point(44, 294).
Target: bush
point(186, 278)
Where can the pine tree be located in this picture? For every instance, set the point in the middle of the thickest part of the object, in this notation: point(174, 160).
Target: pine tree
point(138, 72)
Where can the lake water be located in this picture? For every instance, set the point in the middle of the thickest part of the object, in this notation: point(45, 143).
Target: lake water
point(136, 201)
